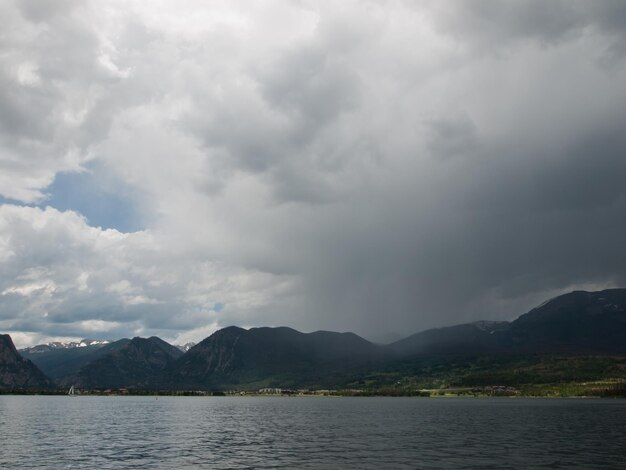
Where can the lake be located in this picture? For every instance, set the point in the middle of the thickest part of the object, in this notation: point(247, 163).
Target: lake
point(309, 432)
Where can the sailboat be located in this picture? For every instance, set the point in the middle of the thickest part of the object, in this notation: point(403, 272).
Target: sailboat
point(71, 392)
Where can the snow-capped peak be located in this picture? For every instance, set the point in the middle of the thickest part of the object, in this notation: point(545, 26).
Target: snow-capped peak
point(185, 347)
point(83, 343)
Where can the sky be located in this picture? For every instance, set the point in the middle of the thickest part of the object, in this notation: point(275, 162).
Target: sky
point(382, 167)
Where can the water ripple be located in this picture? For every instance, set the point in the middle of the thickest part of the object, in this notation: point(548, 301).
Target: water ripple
point(242, 432)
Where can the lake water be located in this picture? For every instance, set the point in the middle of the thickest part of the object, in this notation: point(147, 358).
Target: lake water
point(309, 432)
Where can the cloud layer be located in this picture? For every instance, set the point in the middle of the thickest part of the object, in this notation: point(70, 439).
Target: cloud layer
point(374, 167)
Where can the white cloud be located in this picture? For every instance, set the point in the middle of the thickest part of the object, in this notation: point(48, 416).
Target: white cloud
point(68, 278)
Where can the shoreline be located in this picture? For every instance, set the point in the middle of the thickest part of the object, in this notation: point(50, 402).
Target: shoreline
point(325, 394)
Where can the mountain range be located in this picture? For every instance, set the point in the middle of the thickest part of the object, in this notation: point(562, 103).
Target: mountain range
point(132, 363)
point(234, 356)
point(578, 323)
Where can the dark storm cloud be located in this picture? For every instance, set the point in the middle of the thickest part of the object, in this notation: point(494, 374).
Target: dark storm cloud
point(495, 23)
point(493, 222)
point(489, 20)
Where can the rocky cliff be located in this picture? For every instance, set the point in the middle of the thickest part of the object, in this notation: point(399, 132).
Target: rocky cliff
point(17, 372)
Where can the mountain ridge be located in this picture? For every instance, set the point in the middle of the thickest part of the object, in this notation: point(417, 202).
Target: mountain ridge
point(135, 365)
point(576, 323)
point(57, 363)
point(234, 355)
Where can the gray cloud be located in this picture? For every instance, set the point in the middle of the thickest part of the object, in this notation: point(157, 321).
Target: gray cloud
point(380, 168)
point(492, 23)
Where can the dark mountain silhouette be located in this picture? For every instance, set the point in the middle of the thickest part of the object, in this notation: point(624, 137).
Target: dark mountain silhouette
point(17, 372)
point(477, 337)
point(282, 355)
point(576, 323)
point(57, 363)
point(136, 364)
